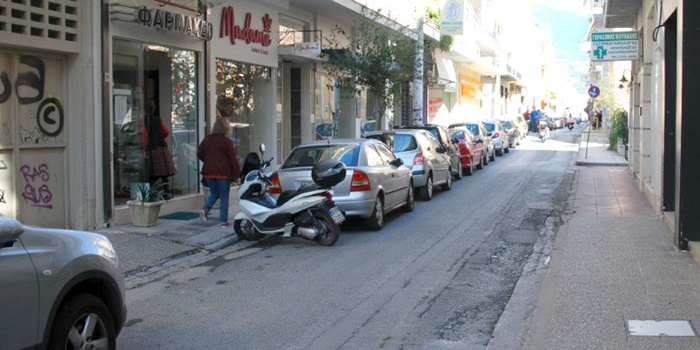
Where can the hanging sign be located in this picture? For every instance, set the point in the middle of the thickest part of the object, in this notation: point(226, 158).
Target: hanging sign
point(174, 22)
point(614, 46)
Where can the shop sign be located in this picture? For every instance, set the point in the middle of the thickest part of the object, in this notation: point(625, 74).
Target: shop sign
point(308, 48)
point(434, 105)
point(229, 28)
point(174, 22)
point(614, 46)
point(452, 20)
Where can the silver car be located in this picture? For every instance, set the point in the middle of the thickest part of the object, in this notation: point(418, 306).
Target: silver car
point(498, 135)
point(60, 289)
point(428, 159)
point(376, 182)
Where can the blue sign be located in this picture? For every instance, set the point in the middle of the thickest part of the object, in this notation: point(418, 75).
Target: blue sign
point(593, 91)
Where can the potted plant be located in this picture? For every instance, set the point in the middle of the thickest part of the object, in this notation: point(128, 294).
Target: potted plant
point(146, 207)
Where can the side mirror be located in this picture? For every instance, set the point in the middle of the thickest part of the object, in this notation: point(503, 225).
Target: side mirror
point(10, 230)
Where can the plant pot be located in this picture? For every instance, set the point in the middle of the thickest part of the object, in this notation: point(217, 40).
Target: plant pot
point(144, 214)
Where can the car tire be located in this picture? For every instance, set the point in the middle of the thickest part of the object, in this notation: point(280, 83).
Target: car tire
point(460, 171)
point(493, 156)
point(376, 221)
point(507, 149)
point(499, 152)
point(426, 192)
point(246, 231)
point(470, 170)
point(481, 163)
point(485, 161)
point(331, 231)
point(83, 314)
point(448, 182)
point(410, 199)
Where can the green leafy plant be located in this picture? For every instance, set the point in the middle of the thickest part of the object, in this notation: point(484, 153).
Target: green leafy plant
point(378, 58)
point(151, 192)
point(618, 128)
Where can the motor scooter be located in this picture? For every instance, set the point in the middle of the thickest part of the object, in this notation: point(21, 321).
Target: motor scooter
point(543, 130)
point(308, 212)
point(570, 124)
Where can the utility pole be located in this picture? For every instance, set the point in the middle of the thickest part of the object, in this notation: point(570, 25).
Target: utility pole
point(418, 77)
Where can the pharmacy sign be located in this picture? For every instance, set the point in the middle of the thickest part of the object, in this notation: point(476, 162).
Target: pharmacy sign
point(614, 46)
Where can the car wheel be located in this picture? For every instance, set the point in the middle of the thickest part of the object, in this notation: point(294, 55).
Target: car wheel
point(84, 322)
point(376, 221)
point(328, 230)
point(448, 182)
point(245, 230)
point(410, 199)
point(470, 170)
point(485, 161)
point(426, 192)
point(493, 156)
point(460, 171)
point(499, 152)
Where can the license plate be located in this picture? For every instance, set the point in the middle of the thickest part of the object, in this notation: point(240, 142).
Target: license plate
point(336, 215)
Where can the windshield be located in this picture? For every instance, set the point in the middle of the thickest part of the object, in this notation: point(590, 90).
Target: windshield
point(474, 128)
point(308, 156)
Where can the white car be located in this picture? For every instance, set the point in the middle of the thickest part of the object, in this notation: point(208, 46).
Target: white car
point(60, 289)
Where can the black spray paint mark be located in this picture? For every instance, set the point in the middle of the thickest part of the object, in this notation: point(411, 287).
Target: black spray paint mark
point(31, 80)
point(48, 125)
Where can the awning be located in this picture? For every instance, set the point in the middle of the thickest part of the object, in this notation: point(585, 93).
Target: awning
point(445, 67)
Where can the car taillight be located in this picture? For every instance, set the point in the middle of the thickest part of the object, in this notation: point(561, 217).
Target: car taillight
point(360, 182)
point(496, 135)
point(418, 159)
point(275, 187)
point(328, 194)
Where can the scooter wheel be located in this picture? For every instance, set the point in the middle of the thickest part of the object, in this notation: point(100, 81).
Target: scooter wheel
point(328, 230)
point(245, 230)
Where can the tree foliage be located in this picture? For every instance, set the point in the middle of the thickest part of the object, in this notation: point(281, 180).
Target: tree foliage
point(373, 57)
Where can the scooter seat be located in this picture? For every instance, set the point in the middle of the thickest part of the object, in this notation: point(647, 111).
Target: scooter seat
point(287, 195)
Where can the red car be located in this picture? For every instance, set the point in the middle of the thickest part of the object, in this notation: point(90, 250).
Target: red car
point(470, 148)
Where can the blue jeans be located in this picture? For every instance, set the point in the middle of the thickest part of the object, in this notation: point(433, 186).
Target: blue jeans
point(218, 189)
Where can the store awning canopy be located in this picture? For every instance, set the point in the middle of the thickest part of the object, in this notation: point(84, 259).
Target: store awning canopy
point(445, 68)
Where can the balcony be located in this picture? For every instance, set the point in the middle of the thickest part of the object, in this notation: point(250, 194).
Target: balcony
point(621, 13)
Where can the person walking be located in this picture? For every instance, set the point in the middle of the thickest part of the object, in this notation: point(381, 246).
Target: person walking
point(220, 168)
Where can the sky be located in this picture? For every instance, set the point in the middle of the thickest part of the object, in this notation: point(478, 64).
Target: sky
point(568, 21)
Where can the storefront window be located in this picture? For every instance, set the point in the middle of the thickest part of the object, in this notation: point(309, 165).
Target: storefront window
point(234, 92)
point(155, 118)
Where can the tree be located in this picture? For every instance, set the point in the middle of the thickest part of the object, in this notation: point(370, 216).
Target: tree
point(378, 58)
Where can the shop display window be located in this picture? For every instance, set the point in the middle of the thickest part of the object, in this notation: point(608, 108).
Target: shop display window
point(154, 96)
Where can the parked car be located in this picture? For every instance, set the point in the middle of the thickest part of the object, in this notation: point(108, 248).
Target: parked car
point(521, 126)
point(376, 181)
point(427, 159)
point(511, 132)
point(60, 289)
point(498, 135)
point(478, 129)
point(470, 148)
point(443, 136)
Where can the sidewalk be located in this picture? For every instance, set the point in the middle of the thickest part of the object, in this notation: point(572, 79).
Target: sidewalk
point(615, 279)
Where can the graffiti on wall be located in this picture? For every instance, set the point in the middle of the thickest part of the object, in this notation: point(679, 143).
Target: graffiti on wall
point(29, 88)
point(36, 190)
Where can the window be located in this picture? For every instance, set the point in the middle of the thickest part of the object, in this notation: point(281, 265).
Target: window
point(373, 157)
point(154, 96)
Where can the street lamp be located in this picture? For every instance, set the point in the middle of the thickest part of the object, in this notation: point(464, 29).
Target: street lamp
point(624, 83)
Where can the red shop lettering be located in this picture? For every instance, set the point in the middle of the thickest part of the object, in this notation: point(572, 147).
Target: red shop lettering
point(234, 32)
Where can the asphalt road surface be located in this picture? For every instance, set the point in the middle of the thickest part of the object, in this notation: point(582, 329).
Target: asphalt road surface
point(437, 278)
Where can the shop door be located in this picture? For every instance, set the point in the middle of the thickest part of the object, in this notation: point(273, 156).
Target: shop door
point(33, 138)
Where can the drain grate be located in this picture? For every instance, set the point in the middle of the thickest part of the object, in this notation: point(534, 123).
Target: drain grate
point(654, 328)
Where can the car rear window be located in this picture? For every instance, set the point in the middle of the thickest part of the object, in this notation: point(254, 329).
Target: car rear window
point(458, 134)
point(404, 142)
point(474, 128)
point(490, 126)
point(507, 125)
point(308, 156)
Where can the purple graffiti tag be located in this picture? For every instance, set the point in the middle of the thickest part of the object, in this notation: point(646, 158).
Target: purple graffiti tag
point(41, 198)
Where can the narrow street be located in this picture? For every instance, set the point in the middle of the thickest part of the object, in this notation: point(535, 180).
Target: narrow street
point(441, 274)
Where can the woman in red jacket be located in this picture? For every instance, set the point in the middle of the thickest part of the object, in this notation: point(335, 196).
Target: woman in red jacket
point(220, 168)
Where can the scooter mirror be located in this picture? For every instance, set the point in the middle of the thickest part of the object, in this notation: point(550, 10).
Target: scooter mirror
point(262, 148)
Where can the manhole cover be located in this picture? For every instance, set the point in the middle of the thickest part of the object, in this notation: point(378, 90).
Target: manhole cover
point(654, 328)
